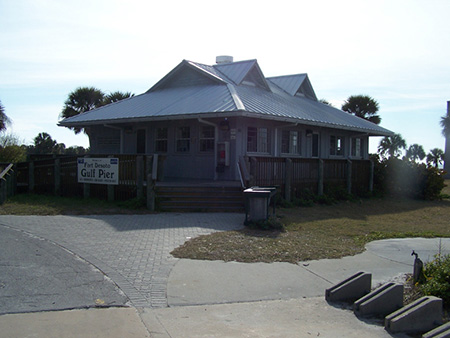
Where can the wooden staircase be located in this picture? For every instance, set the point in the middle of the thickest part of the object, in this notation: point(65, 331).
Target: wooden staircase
point(199, 198)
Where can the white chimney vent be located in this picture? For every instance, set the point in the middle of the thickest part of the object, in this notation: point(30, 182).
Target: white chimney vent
point(224, 59)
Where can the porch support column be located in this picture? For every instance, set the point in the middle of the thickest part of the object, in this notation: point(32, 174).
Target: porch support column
point(216, 139)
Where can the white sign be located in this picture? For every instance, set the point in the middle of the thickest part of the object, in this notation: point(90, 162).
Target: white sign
point(98, 170)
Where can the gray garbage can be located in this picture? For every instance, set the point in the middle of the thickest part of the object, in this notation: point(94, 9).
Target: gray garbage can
point(257, 201)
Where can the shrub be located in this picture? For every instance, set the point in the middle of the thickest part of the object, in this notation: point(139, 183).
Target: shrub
point(437, 279)
point(272, 223)
point(403, 178)
point(337, 193)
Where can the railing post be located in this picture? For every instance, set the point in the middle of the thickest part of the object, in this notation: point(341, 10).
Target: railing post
point(150, 193)
point(86, 186)
point(14, 181)
point(139, 177)
point(148, 166)
point(31, 177)
point(110, 188)
point(57, 175)
point(253, 165)
point(320, 178)
point(288, 181)
point(349, 176)
point(371, 174)
point(3, 192)
point(155, 167)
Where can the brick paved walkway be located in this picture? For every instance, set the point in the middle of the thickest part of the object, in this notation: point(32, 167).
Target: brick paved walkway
point(133, 250)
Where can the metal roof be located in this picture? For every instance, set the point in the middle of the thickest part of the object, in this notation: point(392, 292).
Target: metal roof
point(172, 98)
point(236, 71)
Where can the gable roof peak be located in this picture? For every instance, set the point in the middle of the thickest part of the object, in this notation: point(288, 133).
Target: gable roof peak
point(243, 72)
point(188, 73)
point(296, 84)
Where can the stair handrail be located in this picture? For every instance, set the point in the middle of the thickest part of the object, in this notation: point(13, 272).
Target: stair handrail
point(5, 171)
point(240, 175)
point(243, 172)
point(3, 183)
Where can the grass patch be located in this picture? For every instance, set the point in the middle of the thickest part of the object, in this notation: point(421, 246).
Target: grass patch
point(33, 204)
point(325, 231)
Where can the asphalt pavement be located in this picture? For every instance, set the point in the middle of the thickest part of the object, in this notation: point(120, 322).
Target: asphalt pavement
point(38, 275)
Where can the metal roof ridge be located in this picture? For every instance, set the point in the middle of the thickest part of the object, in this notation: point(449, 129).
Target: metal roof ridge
point(235, 96)
point(196, 65)
point(233, 63)
point(187, 63)
point(284, 76)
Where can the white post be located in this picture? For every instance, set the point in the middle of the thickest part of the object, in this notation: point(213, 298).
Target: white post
point(447, 148)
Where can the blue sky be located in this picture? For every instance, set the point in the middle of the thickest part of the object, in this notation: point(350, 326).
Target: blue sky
point(396, 51)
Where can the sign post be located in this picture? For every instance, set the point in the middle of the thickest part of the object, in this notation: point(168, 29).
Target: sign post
point(98, 170)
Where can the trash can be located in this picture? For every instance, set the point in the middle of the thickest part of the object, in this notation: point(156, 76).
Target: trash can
point(257, 201)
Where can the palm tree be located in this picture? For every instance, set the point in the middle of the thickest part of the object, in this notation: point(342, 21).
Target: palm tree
point(363, 106)
point(415, 152)
point(116, 96)
point(435, 157)
point(4, 120)
point(44, 144)
point(391, 145)
point(325, 101)
point(445, 124)
point(82, 100)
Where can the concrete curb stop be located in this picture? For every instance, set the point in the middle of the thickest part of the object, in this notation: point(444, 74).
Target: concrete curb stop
point(442, 331)
point(423, 315)
point(350, 289)
point(380, 302)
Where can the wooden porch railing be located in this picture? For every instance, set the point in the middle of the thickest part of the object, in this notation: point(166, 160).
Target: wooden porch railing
point(293, 175)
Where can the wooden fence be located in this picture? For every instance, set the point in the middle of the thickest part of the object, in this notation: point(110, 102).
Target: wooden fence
point(137, 173)
point(294, 175)
point(59, 176)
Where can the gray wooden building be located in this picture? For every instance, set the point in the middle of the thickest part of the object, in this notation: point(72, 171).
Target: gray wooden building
point(203, 119)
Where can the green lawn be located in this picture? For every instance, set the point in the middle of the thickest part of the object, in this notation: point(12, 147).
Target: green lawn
point(30, 204)
point(325, 231)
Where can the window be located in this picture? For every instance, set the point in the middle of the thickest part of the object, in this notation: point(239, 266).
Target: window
point(140, 141)
point(207, 139)
point(183, 139)
point(336, 145)
point(257, 140)
point(161, 140)
point(315, 145)
point(290, 142)
point(356, 147)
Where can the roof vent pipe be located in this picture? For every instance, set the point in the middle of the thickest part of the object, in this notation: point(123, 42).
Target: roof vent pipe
point(224, 59)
